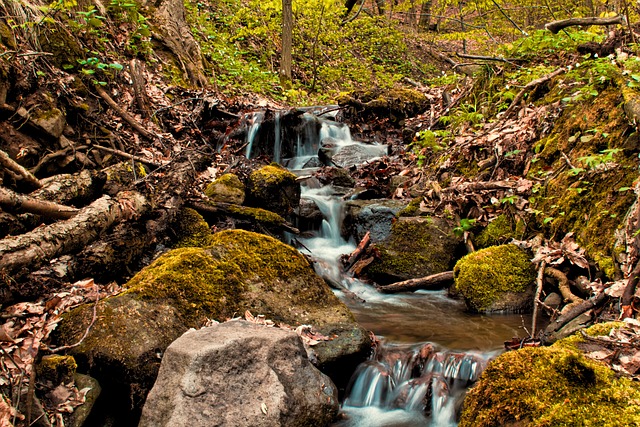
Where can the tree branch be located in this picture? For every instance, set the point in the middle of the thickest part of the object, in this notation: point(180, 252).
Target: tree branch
point(556, 26)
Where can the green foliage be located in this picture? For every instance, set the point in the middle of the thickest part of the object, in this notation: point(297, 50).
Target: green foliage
point(241, 42)
point(463, 226)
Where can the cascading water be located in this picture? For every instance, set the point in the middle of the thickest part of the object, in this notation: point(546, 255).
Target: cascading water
point(403, 384)
point(255, 121)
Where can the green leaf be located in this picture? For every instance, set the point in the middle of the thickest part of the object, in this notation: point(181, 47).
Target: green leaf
point(116, 66)
point(547, 220)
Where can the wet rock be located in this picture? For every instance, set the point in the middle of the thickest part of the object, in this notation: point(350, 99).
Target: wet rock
point(273, 188)
point(496, 279)
point(375, 216)
point(346, 156)
point(227, 189)
point(553, 300)
point(239, 374)
point(238, 271)
point(416, 247)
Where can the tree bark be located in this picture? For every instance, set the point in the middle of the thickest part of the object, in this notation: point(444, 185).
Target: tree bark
point(137, 77)
point(433, 282)
point(16, 203)
point(567, 317)
point(30, 250)
point(425, 15)
point(287, 36)
point(556, 26)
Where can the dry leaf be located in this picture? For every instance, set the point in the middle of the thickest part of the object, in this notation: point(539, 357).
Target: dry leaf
point(263, 408)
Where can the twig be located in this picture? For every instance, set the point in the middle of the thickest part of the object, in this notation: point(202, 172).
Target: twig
point(509, 19)
point(536, 300)
point(566, 159)
point(12, 165)
point(128, 156)
point(528, 86)
point(486, 58)
point(126, 116)
point(86, 332)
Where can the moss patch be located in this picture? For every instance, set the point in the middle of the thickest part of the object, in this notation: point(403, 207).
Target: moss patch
point(192, 281)
point(274, 188)
point(417, 247)
point(497, 232)
point(587, 199)
point(228, 189)
point(55, 369)
point(191, 230)
point(485, 276)
point(551, 386)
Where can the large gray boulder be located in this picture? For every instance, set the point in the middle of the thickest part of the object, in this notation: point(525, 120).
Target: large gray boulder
point(239, 374)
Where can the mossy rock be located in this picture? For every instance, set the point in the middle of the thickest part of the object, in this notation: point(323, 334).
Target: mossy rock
point(273, 188)
point(227, 189)
point(551, 386)
point(122, 175)
point(238, 271)
point(417, 247)
point(54, 369)
point(497, 232)
point(495, 279)
point(374, 216)
point(191, 230)
point(55, 38)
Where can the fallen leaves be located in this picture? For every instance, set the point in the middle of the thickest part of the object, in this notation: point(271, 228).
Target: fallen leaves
point(22, 337)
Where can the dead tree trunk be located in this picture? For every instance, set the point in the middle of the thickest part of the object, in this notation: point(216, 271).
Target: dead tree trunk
point(556, 26)
point(435, 281)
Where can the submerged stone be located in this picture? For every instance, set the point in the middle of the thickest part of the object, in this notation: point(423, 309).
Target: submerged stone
point(495, 279)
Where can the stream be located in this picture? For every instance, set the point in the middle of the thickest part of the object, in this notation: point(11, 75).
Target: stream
point(430, 348)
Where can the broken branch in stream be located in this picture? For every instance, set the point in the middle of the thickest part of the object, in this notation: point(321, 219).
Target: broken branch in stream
point(357, 252)
point(432, 282)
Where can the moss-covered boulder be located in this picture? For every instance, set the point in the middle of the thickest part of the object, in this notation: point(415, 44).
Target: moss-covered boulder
point(227, 189)
point(273, 188)
point(238, 271)
point(416, 247)
point(374, 216)
point(497, 232)
point(495, 279)
point(551, 386)
point(191, 230)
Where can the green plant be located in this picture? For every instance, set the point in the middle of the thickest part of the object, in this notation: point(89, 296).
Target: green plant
point(463, 226)
point(94, 66)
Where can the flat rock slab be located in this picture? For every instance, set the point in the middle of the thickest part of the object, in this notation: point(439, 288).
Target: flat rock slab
point(239, 374)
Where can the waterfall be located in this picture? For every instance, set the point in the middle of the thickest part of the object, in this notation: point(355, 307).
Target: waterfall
point(277, 130)
point(423, 384)
point(255, 121)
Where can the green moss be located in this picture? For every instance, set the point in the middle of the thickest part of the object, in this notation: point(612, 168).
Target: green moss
point(263, 216)
point(587, 200)
point(412, 208)
point(65, 49)
point(195, 283)
point(552, 386)
point(274, 188)
point(191, 230)
point(56, 369)
point(497, 232)
point(416, 247)
point(483, 276)
point(228, 188)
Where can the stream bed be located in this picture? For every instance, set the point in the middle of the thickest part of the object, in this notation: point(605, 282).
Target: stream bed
point(430, 349)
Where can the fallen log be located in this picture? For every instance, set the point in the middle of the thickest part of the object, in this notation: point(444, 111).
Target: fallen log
point(76, 189)
point(433, 282)
point(266, 218)
point(32, 249)
point(128, 156)
point(556, 26)
point(17, 203)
